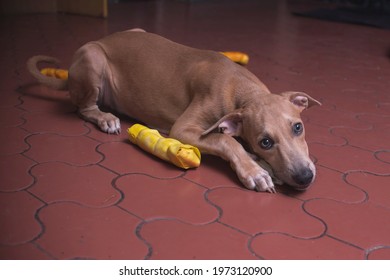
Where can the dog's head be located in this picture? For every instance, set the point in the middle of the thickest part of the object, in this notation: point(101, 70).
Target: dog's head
point(274, 131)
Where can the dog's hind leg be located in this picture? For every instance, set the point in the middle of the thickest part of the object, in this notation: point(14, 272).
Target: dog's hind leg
point(86, 85)
point(90, 112)
point(107, 122)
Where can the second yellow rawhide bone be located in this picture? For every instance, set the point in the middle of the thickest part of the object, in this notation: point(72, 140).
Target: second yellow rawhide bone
point(238, 57)
point(172, 150)
point(55, 73)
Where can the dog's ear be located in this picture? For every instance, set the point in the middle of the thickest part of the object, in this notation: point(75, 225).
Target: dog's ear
point(300, 99)
point(231, 124)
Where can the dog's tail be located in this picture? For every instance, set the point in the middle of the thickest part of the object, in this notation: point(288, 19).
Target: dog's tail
point(53, 80)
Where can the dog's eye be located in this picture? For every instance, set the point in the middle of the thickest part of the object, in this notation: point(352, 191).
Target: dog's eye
point(266, 143)
point(297, 128)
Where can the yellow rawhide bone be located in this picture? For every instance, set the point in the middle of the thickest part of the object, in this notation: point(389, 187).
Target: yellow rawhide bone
point(238, 57)
point(55, 73)
point(172, 150)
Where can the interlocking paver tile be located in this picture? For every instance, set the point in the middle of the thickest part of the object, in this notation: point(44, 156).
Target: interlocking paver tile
point(376, 186)
point(348, 158)
point(320, 134)
point(89, 185)
point(14, 172)
point(383, 156)
point(13, 142)
point(11, 117)
point(72, 150)
point(281, 246)
point(8, 81)
point(355, 101)
point(73, 231)
point(59, 123)
point(27, 251)
point(213, 172)
point(172, 240)
point(331, 82)
point(384, 107)
point(331, 184)
point(372, 139)
point(331, 118)
point(9, 99)
point(39, 98)
point(152, 198)
point(380, 254)
point(376, 121)
point(18, 224)
point(364, 225)
point(261, 212)
point(124, 157)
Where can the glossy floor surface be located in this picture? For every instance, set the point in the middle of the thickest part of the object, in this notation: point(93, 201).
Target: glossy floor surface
point(69, 191)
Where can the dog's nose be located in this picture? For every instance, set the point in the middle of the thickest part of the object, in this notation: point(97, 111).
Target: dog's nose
point(304, 177)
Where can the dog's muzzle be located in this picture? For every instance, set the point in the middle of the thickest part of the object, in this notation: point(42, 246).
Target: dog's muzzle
point(303, 178)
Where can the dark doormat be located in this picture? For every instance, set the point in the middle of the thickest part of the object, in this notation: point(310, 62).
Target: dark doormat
point(378, 16)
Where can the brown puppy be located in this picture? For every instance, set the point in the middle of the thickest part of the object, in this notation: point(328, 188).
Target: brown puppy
point(201, 97)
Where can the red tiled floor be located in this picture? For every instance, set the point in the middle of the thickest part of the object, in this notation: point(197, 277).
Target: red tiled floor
point(57, 181)
point(38, 98)
point(334, 118)
point(11, 116)
point(258, 212)
point(151, 198)
point(69, 191)
point(380, 254)
point(27, 251)
point(362, 105)
point(123, 157)
point(72, 150)
point(13, 142)
point(371, 139)
point(376, 186)
point(383, 156)
point(349, 158)
point(322, 134)
point(17, 222)
point(14, 171)
point(222, 175)
point(364, 225)
point(74, 231)
point(171, 239)
point(48, 123)
point(377, 121)
point(280, 246)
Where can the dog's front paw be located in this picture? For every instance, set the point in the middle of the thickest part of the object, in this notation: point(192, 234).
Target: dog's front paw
point(267, 167)
point(110, 124)
point(256, 178)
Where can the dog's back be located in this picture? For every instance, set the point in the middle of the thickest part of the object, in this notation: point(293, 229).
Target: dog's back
point(144, 70)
